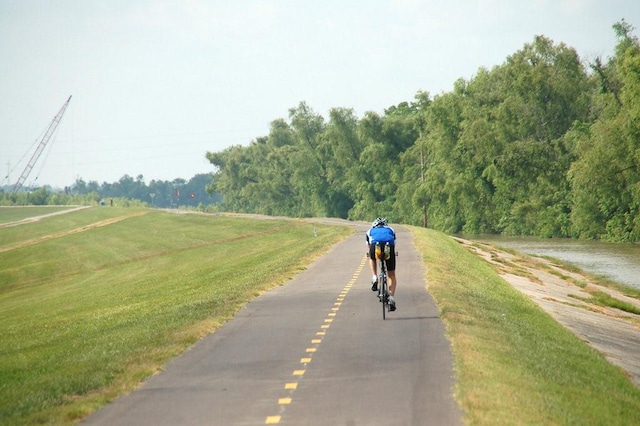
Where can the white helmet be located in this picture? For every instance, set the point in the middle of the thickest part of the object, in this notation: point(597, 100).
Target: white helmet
point(380, 221)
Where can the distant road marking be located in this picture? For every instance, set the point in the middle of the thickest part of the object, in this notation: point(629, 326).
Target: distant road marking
point(309, 351)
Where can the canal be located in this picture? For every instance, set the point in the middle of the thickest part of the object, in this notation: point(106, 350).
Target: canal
point(618, 262)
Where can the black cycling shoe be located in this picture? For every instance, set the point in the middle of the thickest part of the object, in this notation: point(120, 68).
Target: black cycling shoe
point(392, 305)
point(374, 286)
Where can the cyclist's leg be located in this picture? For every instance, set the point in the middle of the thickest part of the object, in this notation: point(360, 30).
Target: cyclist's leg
point(391, 271)
point(391, 282)
point(373, 266)
point(391, 276)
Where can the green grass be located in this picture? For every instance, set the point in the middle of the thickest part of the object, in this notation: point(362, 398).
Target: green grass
point(59, 224)
point(601, 298)
point(514, 363)
point(599, 279)
point(12, 214)
point(87, 316)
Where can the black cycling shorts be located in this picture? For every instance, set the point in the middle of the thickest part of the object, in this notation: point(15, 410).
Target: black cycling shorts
point(391, 262)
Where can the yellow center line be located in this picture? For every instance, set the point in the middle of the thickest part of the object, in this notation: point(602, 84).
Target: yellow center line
point(292, 386)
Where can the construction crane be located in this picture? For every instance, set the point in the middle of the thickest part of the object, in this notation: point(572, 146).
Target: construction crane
point(43, 143)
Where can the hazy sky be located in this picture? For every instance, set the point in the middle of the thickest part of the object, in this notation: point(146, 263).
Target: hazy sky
point(158, 83)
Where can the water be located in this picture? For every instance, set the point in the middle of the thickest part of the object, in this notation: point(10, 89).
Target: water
point(619, 262)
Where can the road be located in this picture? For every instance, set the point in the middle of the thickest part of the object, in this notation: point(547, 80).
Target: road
point(312, 352)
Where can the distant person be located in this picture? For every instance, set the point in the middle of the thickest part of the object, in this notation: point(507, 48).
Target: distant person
point(381, 232)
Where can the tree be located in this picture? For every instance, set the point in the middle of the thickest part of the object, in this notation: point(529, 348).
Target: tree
point(534, 146)
point(605, 179)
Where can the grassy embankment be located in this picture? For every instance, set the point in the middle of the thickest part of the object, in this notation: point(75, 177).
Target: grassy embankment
point(514, 363)
point(101, 298)
point(12, 214)
point(85, 316)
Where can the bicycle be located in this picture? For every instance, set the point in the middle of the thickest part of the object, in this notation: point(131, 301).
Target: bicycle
point(382, 252)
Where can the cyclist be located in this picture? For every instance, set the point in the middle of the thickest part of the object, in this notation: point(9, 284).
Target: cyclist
point(381, 232)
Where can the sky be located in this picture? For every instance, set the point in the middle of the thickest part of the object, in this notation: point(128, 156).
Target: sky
point(155, 84)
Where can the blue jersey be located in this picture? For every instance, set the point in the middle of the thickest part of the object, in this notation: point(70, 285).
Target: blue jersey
point(381, 234)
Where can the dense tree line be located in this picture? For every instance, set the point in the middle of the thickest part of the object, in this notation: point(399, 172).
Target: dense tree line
point(542, 144)
point(158, 193)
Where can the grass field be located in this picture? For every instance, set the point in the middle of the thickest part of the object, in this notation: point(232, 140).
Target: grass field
point(12, 214)
point(94, 301)
point(101, 298)
point(514, 363)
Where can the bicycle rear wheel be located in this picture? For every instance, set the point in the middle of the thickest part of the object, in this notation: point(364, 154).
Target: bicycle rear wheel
point(385, 297)
point(383, 288)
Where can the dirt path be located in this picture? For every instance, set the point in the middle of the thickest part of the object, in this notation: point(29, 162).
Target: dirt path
point(37, 218)
point(69, 232)
point(564, 295)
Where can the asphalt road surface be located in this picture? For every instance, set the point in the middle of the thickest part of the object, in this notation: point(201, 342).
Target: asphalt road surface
point(312, 352)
